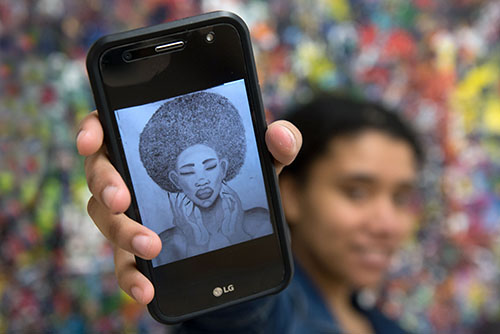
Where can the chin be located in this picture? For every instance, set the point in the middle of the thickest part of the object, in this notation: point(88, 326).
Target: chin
point(365, 279)
point(205, 204)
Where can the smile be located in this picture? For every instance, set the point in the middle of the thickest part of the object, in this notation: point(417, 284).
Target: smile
point(204, 193)
point(374, 257)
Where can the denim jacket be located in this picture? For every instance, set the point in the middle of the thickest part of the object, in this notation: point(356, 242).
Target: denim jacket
point(298, 309)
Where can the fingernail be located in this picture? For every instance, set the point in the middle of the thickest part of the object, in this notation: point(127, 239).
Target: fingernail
point(80, 133)
point(291, 138)
point(79, 136)
point(141, 244)
point(108, 194)
point(136, 293)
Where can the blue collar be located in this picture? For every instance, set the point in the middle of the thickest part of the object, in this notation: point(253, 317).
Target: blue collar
point(310, 303)
point(313, 307)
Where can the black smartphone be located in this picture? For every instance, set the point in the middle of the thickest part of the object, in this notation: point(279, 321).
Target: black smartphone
point(184, 125)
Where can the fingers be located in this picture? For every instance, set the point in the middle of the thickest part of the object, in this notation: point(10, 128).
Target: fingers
point(178, 201)
point(173, 207)
point(110, 195)
point(105, 183)
point(130, 280)
point(90, 136)
point(123, 232)
point(178, 204)
point(283, 140)
point(233, 208)
point(225, 204)
point(128, 237)
point(187, 206)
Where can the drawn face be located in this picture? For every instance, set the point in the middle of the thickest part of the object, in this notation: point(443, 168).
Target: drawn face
point(355, 208)
point(199, 173)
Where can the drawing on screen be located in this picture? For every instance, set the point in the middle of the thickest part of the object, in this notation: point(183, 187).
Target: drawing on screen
point(191, 147)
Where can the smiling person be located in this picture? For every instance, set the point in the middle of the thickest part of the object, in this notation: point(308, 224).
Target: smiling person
point(191, 147)
point(347, 198)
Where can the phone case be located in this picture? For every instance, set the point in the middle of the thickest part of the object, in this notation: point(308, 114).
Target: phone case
point(118, 159)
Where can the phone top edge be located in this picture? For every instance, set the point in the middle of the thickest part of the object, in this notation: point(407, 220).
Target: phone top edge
point(188, 23)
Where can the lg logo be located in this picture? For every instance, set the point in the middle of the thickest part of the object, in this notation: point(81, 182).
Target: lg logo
point(217, 292)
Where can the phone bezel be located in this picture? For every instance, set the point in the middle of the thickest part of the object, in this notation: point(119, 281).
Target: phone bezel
point(116, 153)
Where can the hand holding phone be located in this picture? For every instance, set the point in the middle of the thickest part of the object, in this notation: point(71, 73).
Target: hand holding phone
point(89, 143)
point(112, 103)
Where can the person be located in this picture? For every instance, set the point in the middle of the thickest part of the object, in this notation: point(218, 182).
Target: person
point(191, 147)
point(347, 199)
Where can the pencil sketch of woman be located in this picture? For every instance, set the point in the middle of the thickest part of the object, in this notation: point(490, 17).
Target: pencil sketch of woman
point(191, 147)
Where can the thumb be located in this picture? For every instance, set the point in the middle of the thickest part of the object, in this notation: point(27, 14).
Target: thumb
point(283, 140)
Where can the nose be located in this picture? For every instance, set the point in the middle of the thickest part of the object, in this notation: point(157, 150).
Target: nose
point(202, 181)
point(385, 220)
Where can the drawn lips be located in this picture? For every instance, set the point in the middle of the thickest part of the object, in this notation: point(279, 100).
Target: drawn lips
point(204, 193)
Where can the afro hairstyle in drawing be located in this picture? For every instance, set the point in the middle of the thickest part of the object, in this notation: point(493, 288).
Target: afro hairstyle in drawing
point(197, 118)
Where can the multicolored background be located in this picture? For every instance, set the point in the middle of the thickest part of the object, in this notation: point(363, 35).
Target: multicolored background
point(437, 61)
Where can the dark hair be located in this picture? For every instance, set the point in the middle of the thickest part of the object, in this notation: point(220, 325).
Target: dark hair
point(328, 117)
point(198, 118)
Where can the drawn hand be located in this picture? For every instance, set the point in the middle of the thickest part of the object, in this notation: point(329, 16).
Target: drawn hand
point(111, 198)
point(233, 210)
point(187, 217)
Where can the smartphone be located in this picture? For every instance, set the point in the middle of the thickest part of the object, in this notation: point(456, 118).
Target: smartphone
point(184, 125)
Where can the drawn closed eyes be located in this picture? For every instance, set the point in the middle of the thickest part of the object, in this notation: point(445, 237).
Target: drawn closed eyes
point(210, 165)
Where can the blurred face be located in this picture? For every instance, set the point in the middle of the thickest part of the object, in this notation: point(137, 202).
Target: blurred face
point(199, 174)
point(354, 210)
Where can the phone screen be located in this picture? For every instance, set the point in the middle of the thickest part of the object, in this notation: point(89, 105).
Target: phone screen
point(188, 140)
point(196, 172)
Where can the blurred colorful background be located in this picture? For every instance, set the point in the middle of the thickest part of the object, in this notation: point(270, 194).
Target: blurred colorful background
point(437, 61)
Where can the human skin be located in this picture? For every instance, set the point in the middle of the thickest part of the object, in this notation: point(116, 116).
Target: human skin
point(354, 210)
point(111, 198)
point(347, 218)
point(350, 215)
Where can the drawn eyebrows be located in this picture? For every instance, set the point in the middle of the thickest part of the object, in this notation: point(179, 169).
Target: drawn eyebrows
point(192, 164)
point(208, 160)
